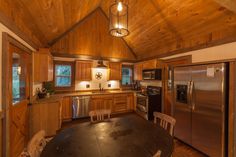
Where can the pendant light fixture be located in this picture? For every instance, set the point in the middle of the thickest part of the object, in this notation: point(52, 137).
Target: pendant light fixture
point(118, 16)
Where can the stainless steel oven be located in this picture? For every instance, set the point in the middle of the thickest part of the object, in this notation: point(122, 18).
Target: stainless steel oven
point(142, 105)
point(149, 103)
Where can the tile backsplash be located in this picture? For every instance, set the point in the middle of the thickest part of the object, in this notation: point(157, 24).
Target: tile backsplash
point(94, 83)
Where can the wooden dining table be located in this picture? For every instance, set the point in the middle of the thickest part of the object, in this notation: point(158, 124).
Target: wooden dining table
point(126, 136)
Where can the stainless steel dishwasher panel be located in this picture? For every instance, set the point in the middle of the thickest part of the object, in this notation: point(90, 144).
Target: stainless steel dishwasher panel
point(80, 106)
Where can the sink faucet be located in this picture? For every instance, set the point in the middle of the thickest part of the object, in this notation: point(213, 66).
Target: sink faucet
point(100, 87)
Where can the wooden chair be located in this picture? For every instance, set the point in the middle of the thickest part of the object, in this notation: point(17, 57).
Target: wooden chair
point(100, 115)
point(158, 154)
point(167, 122)
point(36, 144)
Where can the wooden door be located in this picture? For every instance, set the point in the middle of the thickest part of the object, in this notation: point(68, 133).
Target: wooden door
point(20, 63)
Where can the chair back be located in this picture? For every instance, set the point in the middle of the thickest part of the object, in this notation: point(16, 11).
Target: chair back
point(158, 154)
point(36, 144)
point(167, 122)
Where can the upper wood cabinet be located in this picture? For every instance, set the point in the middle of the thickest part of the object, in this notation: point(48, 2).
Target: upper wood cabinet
point(43, 65)
point(150, 64)
point(115, 71)
point(83, 70)
point(138, 69)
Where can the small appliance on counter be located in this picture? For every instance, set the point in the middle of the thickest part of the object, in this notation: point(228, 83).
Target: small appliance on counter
point(149, 102)
point(136, 85)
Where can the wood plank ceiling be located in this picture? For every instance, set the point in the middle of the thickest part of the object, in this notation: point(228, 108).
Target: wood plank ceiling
point(157, 27)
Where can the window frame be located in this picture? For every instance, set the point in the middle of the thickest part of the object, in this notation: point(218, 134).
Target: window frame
point(132, 78)
point(64, 88)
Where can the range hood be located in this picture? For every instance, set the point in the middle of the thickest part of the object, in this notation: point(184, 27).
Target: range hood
point(101, 65)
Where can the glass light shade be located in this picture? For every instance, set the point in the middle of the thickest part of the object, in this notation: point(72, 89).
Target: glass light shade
point(118, 15)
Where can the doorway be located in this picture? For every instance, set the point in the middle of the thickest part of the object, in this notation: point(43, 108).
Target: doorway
point(16, 85)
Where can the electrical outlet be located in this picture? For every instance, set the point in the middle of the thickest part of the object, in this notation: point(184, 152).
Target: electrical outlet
point(87, 85)
point(109, 85)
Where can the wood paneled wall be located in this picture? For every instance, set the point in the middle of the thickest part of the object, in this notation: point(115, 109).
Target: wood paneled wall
point(16, 17)
point(91, 38)
point(1, 117)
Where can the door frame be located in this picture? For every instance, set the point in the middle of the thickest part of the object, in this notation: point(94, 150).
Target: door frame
point(6, 41)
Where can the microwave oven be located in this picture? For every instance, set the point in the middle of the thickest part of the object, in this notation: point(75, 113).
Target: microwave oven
point(152, 74)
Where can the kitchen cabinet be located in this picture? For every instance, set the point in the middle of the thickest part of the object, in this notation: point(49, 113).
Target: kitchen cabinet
point(115, 71)
point(138, 70)
point(150, 64)
point(43, 65)
point(118, 103)
point(45, 116)
point(83, 70)
point(159, 64)
point(66, 109)
point(101, 102)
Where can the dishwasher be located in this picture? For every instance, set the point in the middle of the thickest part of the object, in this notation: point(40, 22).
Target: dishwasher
point(80, 106)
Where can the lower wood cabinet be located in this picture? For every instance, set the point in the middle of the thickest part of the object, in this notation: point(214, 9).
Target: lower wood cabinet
point(66, 109)
point(130, 102)
point(118, 103)
point(101, 102)
point(45, 116)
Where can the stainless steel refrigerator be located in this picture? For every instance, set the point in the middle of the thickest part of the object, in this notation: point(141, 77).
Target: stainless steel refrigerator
point(200, 107)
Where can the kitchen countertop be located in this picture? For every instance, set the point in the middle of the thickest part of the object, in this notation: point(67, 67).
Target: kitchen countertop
point(59, 96)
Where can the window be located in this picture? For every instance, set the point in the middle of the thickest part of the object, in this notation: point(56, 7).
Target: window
point(63, 75)
point(127, 75)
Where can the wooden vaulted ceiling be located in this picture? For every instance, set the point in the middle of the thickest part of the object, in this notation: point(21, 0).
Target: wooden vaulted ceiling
point(157, 27)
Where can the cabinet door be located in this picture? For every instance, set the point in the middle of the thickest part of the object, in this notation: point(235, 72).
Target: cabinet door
point(115, 71)
point(130, 102)
point(120, 103)
point(101, 102)
point(150, 64)
point(138, 70)
point(83, 71)
point(43, 66)
point(67, 109)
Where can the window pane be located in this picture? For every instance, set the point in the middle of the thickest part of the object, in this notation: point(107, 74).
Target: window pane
point(19, 77)
point(15, 84)
point(63, 81)
point(126, 76)
point(63, 70)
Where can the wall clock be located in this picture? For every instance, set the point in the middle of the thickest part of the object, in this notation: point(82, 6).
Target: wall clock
point(98, 76)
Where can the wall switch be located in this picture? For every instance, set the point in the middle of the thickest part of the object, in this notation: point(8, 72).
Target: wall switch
point(109, 85)
point(87, 85)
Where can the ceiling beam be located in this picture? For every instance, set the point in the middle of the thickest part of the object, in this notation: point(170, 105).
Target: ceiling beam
point(229, 4)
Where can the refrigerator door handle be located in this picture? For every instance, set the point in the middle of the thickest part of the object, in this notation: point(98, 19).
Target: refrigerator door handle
point(192, 95)
point(189, 93)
